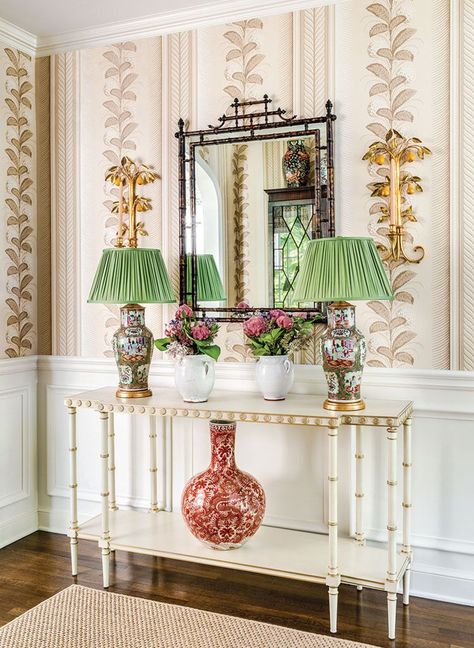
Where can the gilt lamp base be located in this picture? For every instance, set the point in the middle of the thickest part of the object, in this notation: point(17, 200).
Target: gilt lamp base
point(344, 406)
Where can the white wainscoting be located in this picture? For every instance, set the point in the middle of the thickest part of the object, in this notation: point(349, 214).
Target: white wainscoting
point(18, 490)
point(289, 462)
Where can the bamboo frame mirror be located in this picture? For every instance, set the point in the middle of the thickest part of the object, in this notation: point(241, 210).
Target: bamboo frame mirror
point(239, 225)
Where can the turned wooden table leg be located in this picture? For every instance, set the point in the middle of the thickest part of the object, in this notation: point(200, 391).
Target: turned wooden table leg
point(391, 580)
point(73, 530)
point(153, 467)
point(104, 460)
point(111, 462)
point(407, 461)
point(333, 578)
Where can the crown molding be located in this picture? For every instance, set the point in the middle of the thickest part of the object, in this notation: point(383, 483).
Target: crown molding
point(172, 21)
point(17, 37)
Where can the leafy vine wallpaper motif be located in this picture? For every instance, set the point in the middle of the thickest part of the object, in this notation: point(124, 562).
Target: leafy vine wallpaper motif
point(390, 93)
point(243, 59)
point(119, 126)
point(19, 204)
point(240, 217)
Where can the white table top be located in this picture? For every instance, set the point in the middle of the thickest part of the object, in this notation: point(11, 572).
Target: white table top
point(297, 409)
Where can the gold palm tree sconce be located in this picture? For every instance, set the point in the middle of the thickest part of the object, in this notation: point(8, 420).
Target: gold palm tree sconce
point(126, 177)
point(397, 151)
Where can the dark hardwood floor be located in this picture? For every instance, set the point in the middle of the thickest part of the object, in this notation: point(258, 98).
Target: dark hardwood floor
point(37, 567)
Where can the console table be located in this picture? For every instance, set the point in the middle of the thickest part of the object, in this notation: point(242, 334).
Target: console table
point(302, 555)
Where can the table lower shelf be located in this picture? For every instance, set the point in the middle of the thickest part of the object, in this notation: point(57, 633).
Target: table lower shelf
point(280, 552)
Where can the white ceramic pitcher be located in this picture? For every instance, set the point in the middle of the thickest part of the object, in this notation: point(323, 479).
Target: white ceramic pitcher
point(194, 377)
point(275, 375)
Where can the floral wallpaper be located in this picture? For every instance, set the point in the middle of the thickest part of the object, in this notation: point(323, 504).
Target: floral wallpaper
point(18, 282)
point(391, 48)
point(130, 95)
point(119, 125)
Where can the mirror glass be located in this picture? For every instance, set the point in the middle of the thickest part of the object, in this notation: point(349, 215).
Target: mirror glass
point(253, 221)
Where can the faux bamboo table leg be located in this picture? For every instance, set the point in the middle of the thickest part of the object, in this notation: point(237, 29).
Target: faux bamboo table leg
point(153, 468)
point(73, 530)
point(104, 459)
point(359, 494)
point(407, 459)
point(111, 463)
point(333, 578)
point(391, 580)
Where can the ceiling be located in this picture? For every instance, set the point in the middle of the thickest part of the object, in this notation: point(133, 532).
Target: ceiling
point(53, 17)
point(45, 27)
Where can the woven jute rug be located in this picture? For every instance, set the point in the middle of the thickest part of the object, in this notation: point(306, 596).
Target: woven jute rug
point(80, 617)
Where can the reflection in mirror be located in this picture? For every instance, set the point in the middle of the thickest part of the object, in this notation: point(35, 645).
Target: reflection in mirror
point(255, 213)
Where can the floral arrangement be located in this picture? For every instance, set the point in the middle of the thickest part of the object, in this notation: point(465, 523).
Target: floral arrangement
point(187, 334)
point(278, 333)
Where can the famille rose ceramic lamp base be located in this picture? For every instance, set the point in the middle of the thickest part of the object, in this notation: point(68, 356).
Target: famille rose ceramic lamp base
point(337, 270)
point(132, 276)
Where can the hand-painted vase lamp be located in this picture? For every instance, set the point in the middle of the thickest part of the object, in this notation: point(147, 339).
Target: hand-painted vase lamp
point(337, 270)
point(131, 276)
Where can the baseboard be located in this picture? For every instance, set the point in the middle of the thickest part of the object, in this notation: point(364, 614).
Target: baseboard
point(18, 527)
point(450, 587)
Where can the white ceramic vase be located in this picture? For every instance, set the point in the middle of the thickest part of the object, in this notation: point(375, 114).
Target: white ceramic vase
point(275, 375)
point(194, 377)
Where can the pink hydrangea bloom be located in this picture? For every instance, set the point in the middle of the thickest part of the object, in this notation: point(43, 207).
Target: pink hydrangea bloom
point(301, 315)
point(243, 304)
point(276, 313)
point(255, 326)
point(173, 329)
point(284, 321)
point(184, 311)
point(200, 332)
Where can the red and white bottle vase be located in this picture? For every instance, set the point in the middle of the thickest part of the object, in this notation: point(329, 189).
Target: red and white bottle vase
point(223, 506)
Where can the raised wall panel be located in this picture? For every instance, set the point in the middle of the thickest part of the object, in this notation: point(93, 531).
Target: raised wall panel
point(18, 475)
point(14, 476)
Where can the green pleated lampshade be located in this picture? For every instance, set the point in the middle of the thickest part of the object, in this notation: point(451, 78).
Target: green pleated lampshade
point(131, 275)
point(209, 283)
point(342, 269)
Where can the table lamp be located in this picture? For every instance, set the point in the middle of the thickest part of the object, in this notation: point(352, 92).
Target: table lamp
point(132, 276)
point(208, 281)
point(338, 270)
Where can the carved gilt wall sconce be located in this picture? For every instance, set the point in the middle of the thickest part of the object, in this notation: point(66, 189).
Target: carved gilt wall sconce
point(126, 177)
point(397, 151)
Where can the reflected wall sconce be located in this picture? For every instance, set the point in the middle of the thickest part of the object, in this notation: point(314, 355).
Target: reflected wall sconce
point(397, 151)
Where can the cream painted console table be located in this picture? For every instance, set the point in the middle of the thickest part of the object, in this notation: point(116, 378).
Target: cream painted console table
point(293, 554)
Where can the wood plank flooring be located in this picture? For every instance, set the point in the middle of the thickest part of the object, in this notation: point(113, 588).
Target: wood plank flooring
point(37, 567)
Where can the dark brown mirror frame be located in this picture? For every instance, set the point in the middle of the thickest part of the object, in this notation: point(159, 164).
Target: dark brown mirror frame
point(244, 126)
